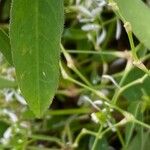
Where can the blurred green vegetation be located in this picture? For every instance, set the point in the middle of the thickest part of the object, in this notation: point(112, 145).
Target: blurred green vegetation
point(97, 46)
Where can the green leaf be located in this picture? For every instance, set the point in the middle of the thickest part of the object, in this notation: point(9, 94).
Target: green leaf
point(135, 93)
point(101, 145)
point(136, 143)
point(134, 108)
point(138, 14)
point(5, 46)
point(35, 33)
point(4, 83)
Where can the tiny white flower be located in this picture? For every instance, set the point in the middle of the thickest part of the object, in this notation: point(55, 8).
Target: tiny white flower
point(20, 99)
point(90, 27)
point(94, 118)
point(101, 37)
point(118, 30)
point(84, 11)
point(8, 95)
point(98, 102)
point(104, 110)
point(6, 136)
point(85, 20)
point(95, 12)
point(8, 133)
point(111, 79)
point(111, 126)
point(86, 99)
point(12, 116)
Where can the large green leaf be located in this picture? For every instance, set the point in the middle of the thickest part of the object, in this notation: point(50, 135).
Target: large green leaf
point(138, 14)
point(5, 46)
point(35, 34)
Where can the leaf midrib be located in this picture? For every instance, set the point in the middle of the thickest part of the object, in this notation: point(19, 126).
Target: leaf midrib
point(37, 51)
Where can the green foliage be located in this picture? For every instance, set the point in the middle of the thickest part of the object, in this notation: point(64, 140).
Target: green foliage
point(102, 144)
point(102, 99)
point(137, 13)
point(139, 144)
point(135, 92)
point(36, 57)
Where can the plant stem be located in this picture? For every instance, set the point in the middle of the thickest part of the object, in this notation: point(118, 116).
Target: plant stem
point(104, 52)
point(81, 134)
point(120, 138)
point(73, 67)
point(97, 137)
point(122, 89)
point(47, 138)
point(133, 49)
point(142, 124)
point(126, 72)
point(98, 93)
point(69, 111)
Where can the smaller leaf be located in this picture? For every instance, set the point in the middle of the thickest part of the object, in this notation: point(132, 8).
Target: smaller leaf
point(134, 93)
point(5, 47)
point(138, 14)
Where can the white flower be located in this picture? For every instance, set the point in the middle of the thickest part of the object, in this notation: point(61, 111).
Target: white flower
point(11, 115)
point(101, 37)
point(118, 30)
point(90, 27)
point(94, 118)
point(6, 136)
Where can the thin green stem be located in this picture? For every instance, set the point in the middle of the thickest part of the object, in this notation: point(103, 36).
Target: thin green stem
point(126, 72)
point(69, 111)
point(133, 49)
point(97, 137)
point(120, 138)
point(104, 52)
point(81, 76)
point(109, 21)
point(132, 126)
point(47, 138)
point(81, 134)
point(122, 89)
point(73, 67)
point(98, 93)
point(142, 123)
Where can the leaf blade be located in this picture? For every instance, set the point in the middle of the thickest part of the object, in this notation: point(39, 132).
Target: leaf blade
point(35, 33)
point(138, 14)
